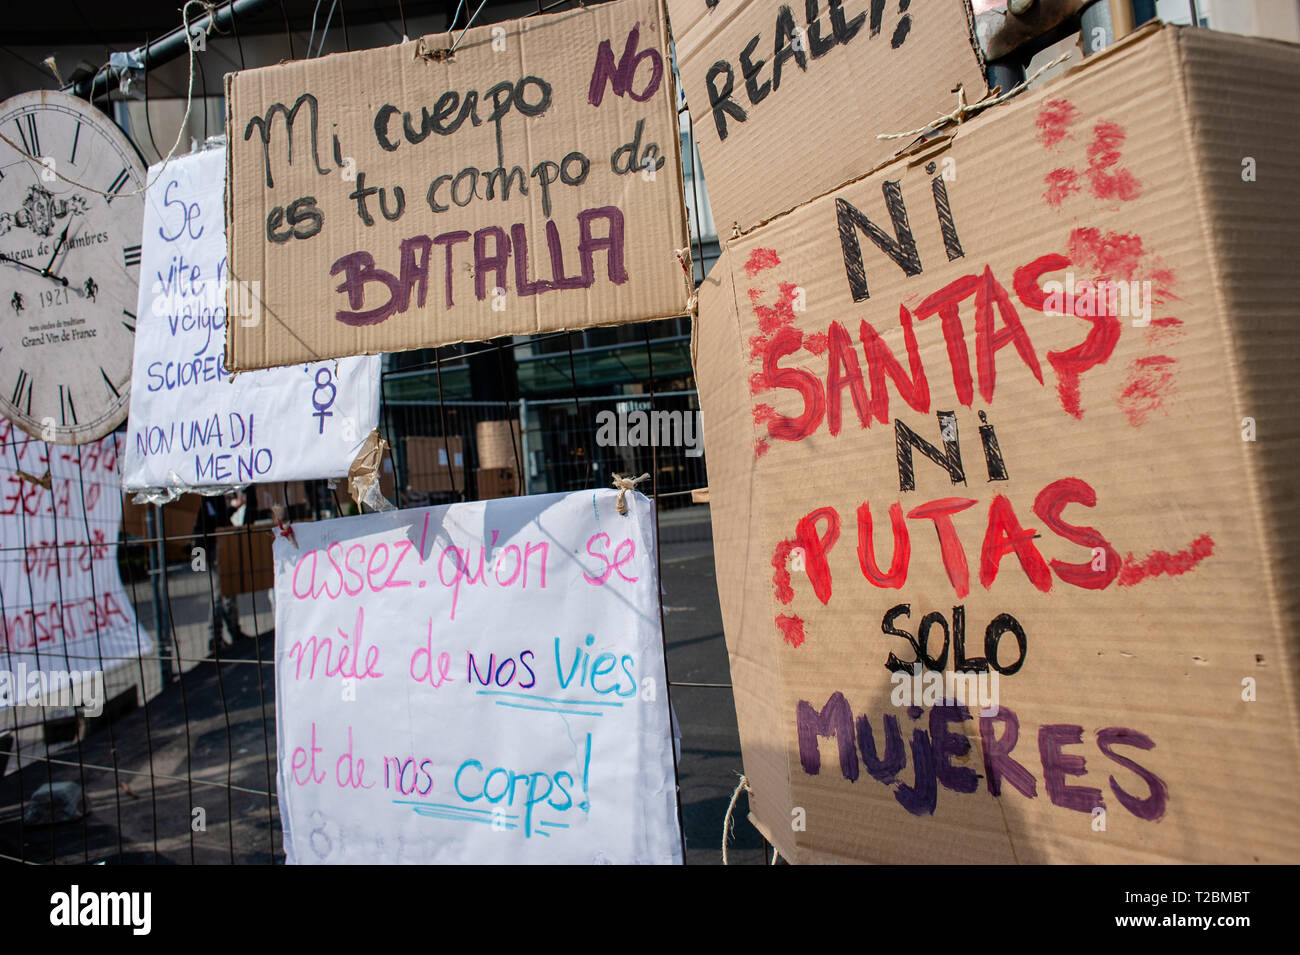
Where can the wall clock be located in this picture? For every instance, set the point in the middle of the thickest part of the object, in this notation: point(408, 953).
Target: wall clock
point(69, 266)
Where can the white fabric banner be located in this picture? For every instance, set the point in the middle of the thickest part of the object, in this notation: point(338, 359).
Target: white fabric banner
point(475, 683)
point(64, 606)
point(191, 426)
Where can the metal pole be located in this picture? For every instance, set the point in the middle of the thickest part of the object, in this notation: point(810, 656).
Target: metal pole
point(1096, 28)
point(166, 48)
point(157, 565)
point(1122, 17)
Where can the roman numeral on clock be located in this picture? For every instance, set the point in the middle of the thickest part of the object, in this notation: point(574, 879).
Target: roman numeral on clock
point(109, 381)
point(21, 389)
point(115, 187)
point(131, 255)
point(31, 141)
point(130, 326)
point(66, 408)
point(75, 136)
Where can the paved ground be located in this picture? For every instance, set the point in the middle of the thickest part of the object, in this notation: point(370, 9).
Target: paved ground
point(202, 752)
point(710, 765)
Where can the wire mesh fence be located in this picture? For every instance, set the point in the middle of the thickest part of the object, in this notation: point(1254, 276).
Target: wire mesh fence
point(172, 757)
point(173, 760)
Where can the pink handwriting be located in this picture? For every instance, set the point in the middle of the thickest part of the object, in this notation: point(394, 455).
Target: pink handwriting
point(426, 653)
point(348, 656)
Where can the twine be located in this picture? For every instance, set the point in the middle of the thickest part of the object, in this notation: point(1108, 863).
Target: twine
point(625, 484)
point(727, 824)
point(39, 481)
point(965, 110)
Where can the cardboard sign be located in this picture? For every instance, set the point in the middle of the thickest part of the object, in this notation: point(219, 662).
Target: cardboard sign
point(405, 197)
point(475, 683)
point(828, 77)
point(1013, 571)
point(190, 424)
point(64, 605)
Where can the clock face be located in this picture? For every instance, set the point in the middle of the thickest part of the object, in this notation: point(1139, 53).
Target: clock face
point(69, 266)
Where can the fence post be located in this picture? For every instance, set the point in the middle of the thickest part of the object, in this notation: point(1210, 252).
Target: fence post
point(523, 441)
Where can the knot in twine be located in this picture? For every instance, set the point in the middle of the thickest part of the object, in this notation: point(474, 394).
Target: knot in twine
point(424, 51)
point(684, 259)
point(625, 484)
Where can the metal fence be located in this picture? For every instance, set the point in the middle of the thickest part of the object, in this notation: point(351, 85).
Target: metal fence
point(546, 445)
point(180, 766)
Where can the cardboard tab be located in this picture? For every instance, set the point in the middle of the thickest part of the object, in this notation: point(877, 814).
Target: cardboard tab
point(828, 77)
point(409, 196)
point(1005, 455)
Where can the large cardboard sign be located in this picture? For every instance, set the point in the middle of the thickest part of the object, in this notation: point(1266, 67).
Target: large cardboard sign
point(191, 425)
point(409, 196)
point(64, 607)
point(1014, 568)
point(475, 683)
point(827, 77)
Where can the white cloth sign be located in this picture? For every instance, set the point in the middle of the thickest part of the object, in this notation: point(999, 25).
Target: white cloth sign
point(64, 606)
point(190, 425)
point(475, 683)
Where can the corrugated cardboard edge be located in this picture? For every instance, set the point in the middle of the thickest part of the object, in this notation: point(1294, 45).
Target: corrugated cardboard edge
point(1243, 243)
point(684, 234)
point(973, 36)
point(716, 353)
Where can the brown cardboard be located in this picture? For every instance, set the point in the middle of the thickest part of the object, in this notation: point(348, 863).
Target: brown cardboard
point(595, 247)
point(435, 463)
point(842, 81)
point(1165, 693)
point(245, 559)
point(498, 444)
point(494, 483)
